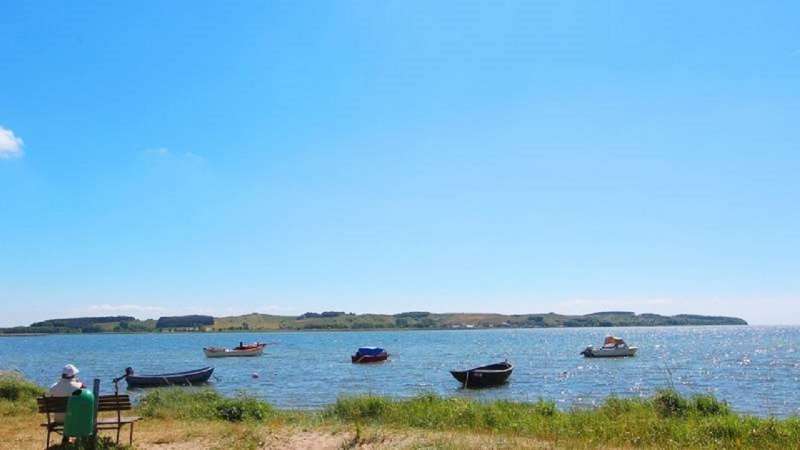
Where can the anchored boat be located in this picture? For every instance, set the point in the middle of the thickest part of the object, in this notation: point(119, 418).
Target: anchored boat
point(369, 355)
point(484, 376)
point(613, 347)
point(256, 349)
point(187, 378)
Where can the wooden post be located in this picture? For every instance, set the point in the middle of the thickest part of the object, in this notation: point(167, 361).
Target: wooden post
point(96, 392)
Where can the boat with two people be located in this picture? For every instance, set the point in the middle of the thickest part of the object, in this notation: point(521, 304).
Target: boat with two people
point(613, 347)
point(254, 349)
point(369, 355)
point(484, 376)
point(187, 378)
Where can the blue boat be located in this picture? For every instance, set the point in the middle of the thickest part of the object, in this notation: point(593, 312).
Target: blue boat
point(369, 355)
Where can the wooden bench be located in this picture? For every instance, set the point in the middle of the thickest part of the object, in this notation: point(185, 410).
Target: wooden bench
point(115, 404)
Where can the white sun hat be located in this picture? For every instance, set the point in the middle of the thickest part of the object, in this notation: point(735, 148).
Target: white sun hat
point(69, 371)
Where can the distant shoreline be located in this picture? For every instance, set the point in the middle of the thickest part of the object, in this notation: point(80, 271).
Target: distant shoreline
point(26, 334)
point(345, 330)
point(342, 321)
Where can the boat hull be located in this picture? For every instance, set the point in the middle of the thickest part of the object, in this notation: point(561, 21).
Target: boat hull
point(233, 353)
point(591, 352)
point(363, 359)
point(484, 376)
point(188, 378)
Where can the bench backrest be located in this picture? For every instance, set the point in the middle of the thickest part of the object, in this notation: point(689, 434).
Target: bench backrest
point(52, 404)
point(105, 403)
point(114, 403)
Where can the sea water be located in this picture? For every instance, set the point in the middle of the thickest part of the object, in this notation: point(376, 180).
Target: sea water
point(755, 369)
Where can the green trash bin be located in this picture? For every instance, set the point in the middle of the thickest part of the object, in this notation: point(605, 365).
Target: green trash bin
point(79, 420)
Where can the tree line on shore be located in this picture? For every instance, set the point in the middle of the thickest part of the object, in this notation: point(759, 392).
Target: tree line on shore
point(339, 320)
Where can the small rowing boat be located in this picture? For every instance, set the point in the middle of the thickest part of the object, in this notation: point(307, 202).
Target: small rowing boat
point(242, 350)
point(187, 378)
point(484, 376)
point(369, 355)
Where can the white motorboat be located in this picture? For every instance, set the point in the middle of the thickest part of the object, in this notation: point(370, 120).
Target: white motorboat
point(613, 347)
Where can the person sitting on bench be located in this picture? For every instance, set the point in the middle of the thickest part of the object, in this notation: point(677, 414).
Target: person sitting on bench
point(65, 386)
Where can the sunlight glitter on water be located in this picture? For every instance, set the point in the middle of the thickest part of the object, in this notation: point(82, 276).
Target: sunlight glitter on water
point(755, 369)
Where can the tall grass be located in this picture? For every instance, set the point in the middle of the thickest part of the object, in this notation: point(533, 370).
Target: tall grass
point(665, 420)
point(179, 403)
point(17, 395)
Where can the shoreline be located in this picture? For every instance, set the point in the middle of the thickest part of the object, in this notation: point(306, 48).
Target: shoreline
point(181, 418)
point(348, 321)
point(367, 330)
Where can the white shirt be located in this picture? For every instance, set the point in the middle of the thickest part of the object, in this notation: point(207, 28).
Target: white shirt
point(63, 388)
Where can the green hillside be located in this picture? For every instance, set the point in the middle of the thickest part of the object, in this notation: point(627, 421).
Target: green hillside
point(347, 321)
point(338, 320)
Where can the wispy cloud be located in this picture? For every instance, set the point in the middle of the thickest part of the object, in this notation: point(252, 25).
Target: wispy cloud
point(167, 154)
point(129, 308)
point(10, 145)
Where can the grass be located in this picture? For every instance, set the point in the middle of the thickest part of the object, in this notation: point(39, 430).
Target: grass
point(17, 395)
point(665, 420)
point(186, 404)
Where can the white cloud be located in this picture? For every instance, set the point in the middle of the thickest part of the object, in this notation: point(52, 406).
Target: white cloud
point(10, 145)
point(163, 153)
point(129, 308)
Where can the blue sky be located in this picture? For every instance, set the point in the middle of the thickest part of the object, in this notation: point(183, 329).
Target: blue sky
point(181, 157)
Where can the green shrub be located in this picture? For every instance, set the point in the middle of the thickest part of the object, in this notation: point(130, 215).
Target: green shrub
point(17, 395)
point(708, 405)
point(243, 409)
point(669, 403)
point(15, 388)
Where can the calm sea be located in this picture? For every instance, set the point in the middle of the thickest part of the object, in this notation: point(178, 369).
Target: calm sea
point(755, 369)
